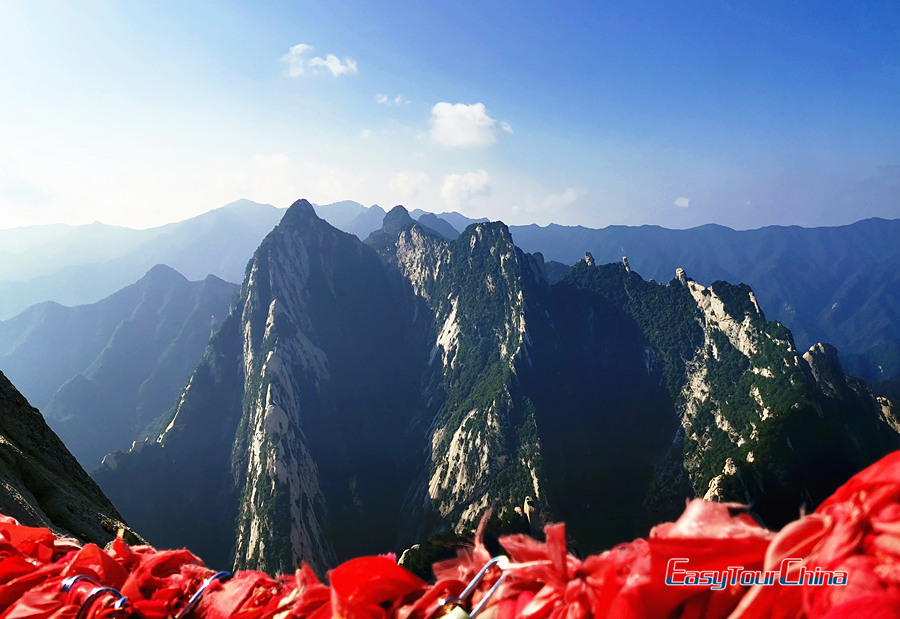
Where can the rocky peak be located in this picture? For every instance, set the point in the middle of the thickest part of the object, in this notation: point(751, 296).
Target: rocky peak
point(395, 220)
point(681, 276)
point(826, 369)
point(300, 213)
point(162, 274)
point(625, 262)
point(589, 258)
point(394, 224)
point(489, 233)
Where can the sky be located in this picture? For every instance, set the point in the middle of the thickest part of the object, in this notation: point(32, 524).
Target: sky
point(739, 113)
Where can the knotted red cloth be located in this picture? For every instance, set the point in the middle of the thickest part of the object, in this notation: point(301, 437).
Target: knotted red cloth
point(856, 530)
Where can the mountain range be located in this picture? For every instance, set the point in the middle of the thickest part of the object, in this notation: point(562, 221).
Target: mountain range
point(837, 284)
point(74, 265)
point(359, 397)
point(362, 396)
point(83, 264)
point(102, 373)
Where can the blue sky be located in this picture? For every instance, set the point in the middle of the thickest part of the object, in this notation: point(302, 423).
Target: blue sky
point(593, 113)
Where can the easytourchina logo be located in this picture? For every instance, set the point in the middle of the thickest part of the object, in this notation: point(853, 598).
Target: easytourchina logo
point(678, 575)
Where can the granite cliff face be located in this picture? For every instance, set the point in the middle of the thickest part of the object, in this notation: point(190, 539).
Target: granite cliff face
point(759, 423)
point(482, 449)
point(312, 388)
point(41, 483)
point(361, 397)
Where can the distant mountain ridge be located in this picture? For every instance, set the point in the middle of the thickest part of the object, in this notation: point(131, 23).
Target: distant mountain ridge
point(104, 371)
point(216, 243)
point(74, 265)
point(835, 284)
point(360, 397)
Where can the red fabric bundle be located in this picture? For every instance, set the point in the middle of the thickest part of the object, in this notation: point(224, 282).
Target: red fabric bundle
point(856, 532)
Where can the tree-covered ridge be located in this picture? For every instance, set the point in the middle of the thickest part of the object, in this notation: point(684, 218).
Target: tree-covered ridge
point(747, 404)
point(667, 315)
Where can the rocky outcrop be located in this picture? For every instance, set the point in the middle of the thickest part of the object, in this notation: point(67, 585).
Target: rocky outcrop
point(826, 370)
point(889, 413)
point(41, 483)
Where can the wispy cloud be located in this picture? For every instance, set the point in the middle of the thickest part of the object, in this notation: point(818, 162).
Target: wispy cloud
point(682, 202)
point(334, 64)
point(408, 183)
point(460, 189)
point(18, 190)
point(464, 125)
point(382, 99)
point(562, 200)
point(298, 62)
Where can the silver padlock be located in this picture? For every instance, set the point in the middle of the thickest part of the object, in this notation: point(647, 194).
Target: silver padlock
point(457, 610)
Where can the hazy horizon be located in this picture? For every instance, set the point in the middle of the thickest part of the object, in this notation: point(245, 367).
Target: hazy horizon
point(411, 209)
point(140, 114)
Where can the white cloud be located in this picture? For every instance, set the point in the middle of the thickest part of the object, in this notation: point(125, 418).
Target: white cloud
point(682, 202)
point(365, 134)
point(464, 125)
point(460, 189)
point(381, 99)
point(562, 200)
point(298, 63)
point(334, 64)
point(295, 59)
point(408, 183)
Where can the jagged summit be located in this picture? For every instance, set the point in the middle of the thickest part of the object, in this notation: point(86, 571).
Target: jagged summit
point(299, 213)
point(439, 225)
point(396, 219)
point(489, 229)
point(162, 273)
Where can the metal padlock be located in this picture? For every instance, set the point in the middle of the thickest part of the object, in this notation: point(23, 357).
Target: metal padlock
point(457, 612)
point(452, 608)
